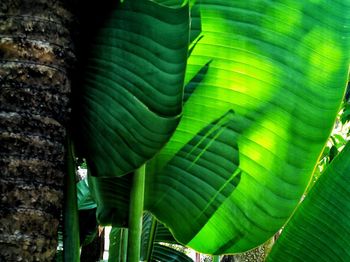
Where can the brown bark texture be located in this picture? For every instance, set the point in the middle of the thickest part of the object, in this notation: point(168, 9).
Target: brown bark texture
point(36, 57)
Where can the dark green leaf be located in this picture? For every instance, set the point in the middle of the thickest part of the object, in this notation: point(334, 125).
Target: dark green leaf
point(59, 256)
point(112, 196)
point(71, 243)
point(114, 244)
point(118, 238)
point(154, 233)
point(149, 227)
point(166, 254)
point(164, 235)
point(85, 200)
point(196, 26)
point(88, 226)
point(159, 253)
point(130, 101)
point(333, 152)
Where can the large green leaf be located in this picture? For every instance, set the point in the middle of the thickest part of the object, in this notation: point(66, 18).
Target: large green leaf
point(319, 229)
point(254, 127)
point(130, 100)
point(112, 196)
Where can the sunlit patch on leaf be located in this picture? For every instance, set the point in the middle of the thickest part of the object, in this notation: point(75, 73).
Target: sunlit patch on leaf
point(268, 70)
point(206, 165)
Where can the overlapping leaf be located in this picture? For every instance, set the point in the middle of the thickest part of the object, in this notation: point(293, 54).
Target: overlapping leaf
point(153, 232)
point(163, 253)
point(118, 238)
point(255, 125)
point(112, 196)
point(85, 200)
point(130, 101)
point(319, 229)
point(151, 249)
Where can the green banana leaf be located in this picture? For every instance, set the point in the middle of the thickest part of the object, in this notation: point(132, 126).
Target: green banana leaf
point(87, 207)
point(319, 229)
point(163, 253)
point(80, 223)
point(117, 252)
point(130, 101)
point(254, 124)
point(254, 127)
point(88, 227)
point(153, 232)
point(164, 235)
point(70, 229)
point(159, 252)
point(85, 200)
point(112, 196)
point(149, 228)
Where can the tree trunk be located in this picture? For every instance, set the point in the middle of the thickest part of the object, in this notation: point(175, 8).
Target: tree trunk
point(36, 55)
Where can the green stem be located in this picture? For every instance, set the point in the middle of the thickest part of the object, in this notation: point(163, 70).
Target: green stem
point(123, 245)
point(152, 235)
point(216, 258)
point(135, 214)
point(71, 241)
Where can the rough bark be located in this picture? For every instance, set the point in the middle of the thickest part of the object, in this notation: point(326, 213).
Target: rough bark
point(36, 55)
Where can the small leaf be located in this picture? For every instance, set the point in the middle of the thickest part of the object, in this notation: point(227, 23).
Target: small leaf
point(340, 140)
point(85, 200)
